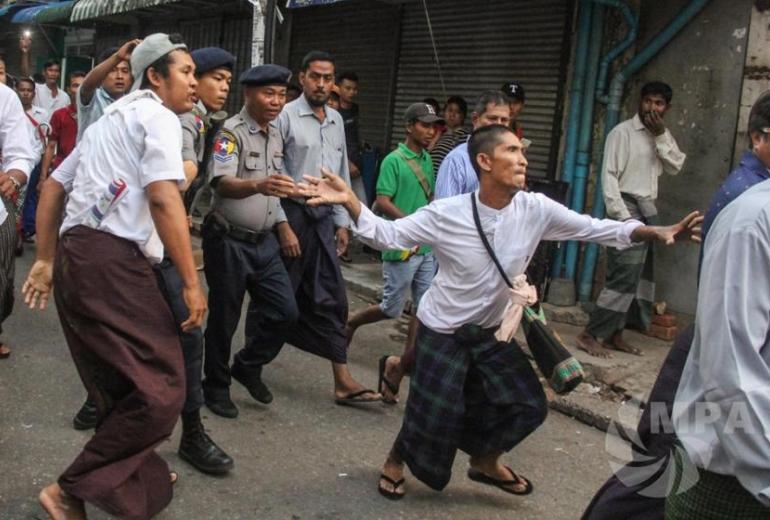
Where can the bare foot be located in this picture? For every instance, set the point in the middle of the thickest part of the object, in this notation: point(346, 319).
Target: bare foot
point(616, 342)
point(61, 506)
point(395, 473)
point(5, 352)
point(349, 390)
point(588, 343)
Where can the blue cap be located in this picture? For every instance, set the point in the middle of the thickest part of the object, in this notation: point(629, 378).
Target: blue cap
point(266, 75)
point(210, 58)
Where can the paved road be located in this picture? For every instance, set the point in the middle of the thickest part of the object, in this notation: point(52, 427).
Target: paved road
point(302, 457)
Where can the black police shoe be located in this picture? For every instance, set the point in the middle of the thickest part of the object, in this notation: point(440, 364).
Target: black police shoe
point(221, 404)
point(253, 384)
point(201, 452)
point(87, 417)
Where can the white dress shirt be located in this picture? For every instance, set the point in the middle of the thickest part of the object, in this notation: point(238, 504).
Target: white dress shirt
point(137, 140)
point(45, 99)
point(633, 161)
point(722, 406)
point(15, 139)
point(39, 130)
point(468, 288)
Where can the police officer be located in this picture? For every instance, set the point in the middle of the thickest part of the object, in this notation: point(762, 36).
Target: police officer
point(240, 250)
point(213, 72)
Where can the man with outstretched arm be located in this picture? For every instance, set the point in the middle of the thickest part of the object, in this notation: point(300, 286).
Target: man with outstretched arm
point(469, 391)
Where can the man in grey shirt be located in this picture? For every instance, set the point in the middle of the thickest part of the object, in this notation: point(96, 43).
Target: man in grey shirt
point(106, 83)
point(314, 138)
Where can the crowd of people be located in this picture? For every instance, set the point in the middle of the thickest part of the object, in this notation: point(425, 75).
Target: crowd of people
point(118, 165)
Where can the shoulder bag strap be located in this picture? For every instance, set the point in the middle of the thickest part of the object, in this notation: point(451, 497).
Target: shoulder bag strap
point(491, 252)
point(417, 173)
point(37, 125)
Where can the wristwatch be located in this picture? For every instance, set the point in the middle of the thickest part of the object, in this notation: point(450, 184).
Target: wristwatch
point(15, 182)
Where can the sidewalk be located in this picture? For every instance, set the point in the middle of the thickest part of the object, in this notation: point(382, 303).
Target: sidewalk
point(615, 389)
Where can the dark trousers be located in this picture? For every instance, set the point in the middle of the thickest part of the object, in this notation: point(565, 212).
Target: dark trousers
point(30, 202)
point(171, 286)
point(232, 268)
point(318, 288)
point(124, 343)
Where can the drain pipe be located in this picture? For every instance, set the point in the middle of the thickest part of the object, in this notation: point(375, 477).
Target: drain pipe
point(632, 21)
point(575, 110)
point(585, 134)
point(613, 115)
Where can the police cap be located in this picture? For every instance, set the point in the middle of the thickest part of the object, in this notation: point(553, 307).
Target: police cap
point(210, 58)
point(262, 75)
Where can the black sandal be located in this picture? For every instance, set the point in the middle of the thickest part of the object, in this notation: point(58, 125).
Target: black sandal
point(5, 352)
point(382, 380)
point(357, 398)
point(478, 476)
point(391, 495)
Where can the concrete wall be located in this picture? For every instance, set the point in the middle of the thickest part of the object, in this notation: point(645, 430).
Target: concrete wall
point(704, 65)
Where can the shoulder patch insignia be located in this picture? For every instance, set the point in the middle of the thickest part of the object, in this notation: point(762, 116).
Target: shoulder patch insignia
point(225, 147)
point(199, 124)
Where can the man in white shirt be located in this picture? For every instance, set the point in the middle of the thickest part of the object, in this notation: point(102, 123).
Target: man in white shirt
point(721, 407)
point(637, 152)
point(18, 160)
point(469, 391)
point(124, 208)
point(39, 128)
point(48, 96)
point(104, 84)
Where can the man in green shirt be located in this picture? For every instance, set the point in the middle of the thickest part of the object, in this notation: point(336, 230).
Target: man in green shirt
point(405, 184)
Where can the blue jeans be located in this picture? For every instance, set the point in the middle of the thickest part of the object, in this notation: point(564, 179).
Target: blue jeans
point(417, 272)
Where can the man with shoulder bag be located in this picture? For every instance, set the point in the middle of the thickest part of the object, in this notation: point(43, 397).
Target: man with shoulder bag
point(468, 390)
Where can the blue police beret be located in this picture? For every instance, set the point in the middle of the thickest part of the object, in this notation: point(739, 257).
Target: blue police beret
point(266, 75)
point(210, 58)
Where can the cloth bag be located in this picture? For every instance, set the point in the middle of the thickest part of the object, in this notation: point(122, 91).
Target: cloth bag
point(560, 368)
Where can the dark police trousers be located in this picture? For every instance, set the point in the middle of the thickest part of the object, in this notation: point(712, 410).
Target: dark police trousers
point(171, 286)
point(233, 267)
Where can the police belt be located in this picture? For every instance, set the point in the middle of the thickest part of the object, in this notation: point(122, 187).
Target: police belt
point(247, 235)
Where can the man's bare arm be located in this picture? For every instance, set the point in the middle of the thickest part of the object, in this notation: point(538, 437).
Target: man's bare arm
point(94, 79)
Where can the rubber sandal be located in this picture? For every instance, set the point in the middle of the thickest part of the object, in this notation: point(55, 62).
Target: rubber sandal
point(391, 495)
point(382, 380)
point(5, 352)
point(478, 476)
point(355, 398)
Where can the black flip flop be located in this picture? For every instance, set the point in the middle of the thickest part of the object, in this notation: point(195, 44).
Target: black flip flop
point(355, 398)
point(478, 476)
point(391, 495)
point(390, 386)
point(4, 354)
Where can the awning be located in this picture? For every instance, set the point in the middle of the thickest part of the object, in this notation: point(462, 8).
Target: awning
point(88, 9)
point(10, 9)
point(55, 12)
point(294, 4)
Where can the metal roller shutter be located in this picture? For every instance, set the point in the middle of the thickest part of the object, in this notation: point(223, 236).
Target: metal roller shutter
point(481, 45)
point(363, 37)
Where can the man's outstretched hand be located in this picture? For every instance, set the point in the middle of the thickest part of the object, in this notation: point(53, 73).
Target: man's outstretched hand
point(330, 189)
point(686, 230)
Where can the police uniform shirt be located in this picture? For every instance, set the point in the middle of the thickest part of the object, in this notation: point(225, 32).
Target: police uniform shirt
point(15, 138)
point(195, 124)
point(39, 129)
point(137, 141)
point(245, 151)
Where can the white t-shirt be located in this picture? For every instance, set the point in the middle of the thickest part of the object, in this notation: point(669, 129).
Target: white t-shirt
point(45, 99)
point(15, 140)
point(137, 141)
